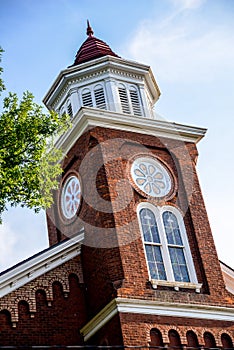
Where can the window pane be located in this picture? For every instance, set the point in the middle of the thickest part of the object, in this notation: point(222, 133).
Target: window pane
point(153, 270)
point(161, 272)
point(179, 266)
point(184, 273)
point(180, 256)
point(157, 254)
point(155, 235)
point(155, 262)
point(173, 255)
point(149, 253)
point(172, 228)
point(149, 226)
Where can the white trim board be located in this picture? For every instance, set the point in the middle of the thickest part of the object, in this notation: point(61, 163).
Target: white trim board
point(157, 308)
point(91, 117)
point(37, 265)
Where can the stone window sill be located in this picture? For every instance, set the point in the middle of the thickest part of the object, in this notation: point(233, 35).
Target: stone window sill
point(176, 285)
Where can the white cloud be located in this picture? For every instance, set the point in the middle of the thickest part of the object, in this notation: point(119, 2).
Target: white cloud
point(187, 4)
point(184, 49)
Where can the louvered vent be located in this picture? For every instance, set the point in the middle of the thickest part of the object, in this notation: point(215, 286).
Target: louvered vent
point(100, 98)
point(87, 99)
point(124, 100)
point(69, 110)
point(135, 102)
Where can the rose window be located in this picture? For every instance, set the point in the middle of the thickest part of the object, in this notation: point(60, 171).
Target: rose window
point(71, 196)
point(151, 177)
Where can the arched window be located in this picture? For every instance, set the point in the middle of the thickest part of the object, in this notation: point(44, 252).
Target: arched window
point(156, 338)
point(152, 244)
point(175, 247)
point(166, 246)
point(192, 341)
point(209, 340)
point(226, 341)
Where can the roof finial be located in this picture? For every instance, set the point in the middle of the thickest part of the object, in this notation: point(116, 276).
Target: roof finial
point(89, 29)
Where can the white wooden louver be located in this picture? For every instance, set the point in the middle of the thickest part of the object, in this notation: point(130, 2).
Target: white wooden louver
point(69, 110)
point(87, 99)
point(135, 103)
point(100, 98)
point(124, 100)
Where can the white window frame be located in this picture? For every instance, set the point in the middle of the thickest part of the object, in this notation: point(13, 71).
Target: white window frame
point(128, 88)
point(158, 212)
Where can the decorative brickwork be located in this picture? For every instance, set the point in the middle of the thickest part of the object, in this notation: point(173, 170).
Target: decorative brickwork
point(48, 310)
point(136, 329)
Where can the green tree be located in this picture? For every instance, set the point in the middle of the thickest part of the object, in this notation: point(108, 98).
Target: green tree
point(29, 162)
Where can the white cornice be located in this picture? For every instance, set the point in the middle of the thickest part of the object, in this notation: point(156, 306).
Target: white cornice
point(227, 269)
point(87, 118)
point(228, 275)
point(98, 321)
point(28, 270)
point(157, 308)
point(90, 68)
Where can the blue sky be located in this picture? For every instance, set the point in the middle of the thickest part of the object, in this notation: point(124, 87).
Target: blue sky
point(189, 45)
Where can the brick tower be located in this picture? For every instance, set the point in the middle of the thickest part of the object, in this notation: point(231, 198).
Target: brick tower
point(149, 261)
point(128, 219)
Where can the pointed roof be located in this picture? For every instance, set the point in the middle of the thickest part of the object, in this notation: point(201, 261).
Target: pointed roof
point(92, 48)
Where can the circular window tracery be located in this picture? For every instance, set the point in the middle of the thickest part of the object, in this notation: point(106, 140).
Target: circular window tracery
point(151, 177)
point(71, 196)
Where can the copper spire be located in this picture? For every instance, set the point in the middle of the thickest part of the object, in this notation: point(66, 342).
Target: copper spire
point(89, 29)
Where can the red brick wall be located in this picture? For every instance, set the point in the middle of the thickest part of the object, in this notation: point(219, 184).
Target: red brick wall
point(113, 255)
point(117, 148)
point(109, 334)
point(100, 254)
point(136, 328)
point(49, 310)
